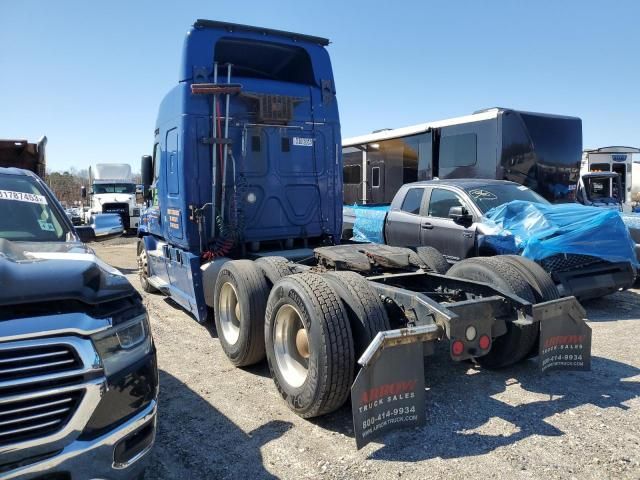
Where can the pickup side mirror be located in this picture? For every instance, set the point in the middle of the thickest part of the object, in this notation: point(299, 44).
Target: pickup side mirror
point(460, 215)
point(103, 227)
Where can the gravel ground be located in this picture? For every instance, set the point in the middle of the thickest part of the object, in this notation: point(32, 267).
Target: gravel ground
point(216, 421)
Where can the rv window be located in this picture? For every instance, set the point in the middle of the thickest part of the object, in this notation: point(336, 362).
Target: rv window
point(413, 200)
point(398, 153)
point(458, 150)
point(351, 174)
point(264, 60)
point(375, 177)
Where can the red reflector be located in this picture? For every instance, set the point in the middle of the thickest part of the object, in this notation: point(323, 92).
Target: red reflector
point(484, 342)
point(457, 347)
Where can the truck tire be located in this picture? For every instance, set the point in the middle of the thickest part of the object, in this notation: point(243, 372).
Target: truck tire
point(274, 268)
point(309, 344)
point(540, 282)
point(240, 298)
point(433, 259)
point(367, 315)
point(143, 269)
point(518, 341)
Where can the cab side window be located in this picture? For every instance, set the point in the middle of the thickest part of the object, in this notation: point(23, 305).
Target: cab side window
point(441, 202)
point(412, 201)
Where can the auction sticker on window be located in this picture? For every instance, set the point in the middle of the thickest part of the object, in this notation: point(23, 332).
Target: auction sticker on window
point(481, 194)
point(22, 197)
point(565, 344)
point(389, 394)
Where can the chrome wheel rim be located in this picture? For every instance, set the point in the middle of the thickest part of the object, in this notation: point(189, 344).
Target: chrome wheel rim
point(143, 264)
point(229, 313)
point(291, 345)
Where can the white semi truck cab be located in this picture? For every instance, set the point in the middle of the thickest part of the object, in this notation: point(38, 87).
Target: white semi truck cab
point(618, 160)
point(113, 190)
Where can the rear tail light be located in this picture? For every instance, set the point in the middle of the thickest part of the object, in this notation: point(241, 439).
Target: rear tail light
point(484, 342)
point(457, 348)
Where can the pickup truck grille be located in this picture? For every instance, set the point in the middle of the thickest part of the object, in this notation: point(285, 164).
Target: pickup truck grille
point(28, 362)
point(22, 420)
point(121, 209)
point(47, 388)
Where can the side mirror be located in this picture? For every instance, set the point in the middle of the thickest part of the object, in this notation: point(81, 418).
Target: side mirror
point(146, 171)
point(460, 215)
point(103, 227)
point(83, 191)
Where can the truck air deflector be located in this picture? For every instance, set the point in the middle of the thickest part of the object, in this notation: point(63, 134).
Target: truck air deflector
point(237, 27)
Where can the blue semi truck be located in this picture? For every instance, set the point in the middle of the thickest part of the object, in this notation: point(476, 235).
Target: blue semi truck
point(244, 218)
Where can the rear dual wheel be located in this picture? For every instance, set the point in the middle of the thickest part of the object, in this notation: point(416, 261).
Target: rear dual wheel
point(309, 344)
point(519, 340)
point(315, 327)
point(240, 299)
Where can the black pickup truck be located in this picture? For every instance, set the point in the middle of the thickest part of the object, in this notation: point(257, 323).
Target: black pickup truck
point(448, 215)
point(78, 373)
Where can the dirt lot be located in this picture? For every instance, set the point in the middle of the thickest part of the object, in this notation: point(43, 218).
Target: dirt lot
point(216, 421)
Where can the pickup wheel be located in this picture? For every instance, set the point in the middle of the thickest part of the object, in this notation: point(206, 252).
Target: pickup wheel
point(309, 344)
point(143, 269)
point(367, 315)
point(274, 268)
point(240, 299)
point(433, 259)
point(518, 341)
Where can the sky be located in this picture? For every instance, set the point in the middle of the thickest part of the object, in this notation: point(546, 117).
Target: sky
point(91, 75)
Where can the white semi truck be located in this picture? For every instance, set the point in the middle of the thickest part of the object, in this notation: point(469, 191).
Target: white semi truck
point(113, 190)
point(618, 160)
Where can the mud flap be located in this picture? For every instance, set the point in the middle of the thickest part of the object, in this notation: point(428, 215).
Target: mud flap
point(565, 338)
point(388, 392)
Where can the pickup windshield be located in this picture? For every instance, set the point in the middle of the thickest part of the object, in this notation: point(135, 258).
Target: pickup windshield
point(114, 188)
point(25, 212)
point(491, 196)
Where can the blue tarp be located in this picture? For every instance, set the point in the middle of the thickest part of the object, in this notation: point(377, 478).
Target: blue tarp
point(537, 231)
point(631, 220)
point(369, 222)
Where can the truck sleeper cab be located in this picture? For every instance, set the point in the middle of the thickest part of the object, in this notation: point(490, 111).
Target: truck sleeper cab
point(246, 154)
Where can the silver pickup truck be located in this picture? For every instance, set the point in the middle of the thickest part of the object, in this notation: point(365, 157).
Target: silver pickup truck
point(448, 215)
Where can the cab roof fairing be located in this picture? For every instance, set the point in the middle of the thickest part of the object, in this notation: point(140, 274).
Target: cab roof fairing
point(199, 45)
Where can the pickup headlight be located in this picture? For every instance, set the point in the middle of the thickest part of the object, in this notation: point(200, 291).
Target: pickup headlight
point(123, 344)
